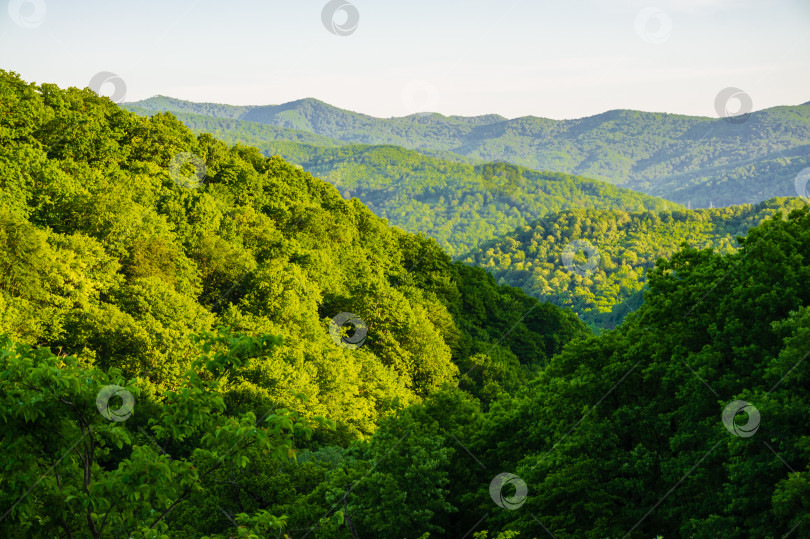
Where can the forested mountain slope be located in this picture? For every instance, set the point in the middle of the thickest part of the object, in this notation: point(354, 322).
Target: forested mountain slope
point(464, 205)
point(168, 367)
point(610, 251)
point(460, 204)
point(689, 420)
point(691, 160)
point(640, 432)
point(123, 237)
point(233, 130)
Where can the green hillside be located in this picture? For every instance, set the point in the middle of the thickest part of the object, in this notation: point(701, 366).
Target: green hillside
point(458, 204)
point(610, 252)
point(423, 131)
point(683, 422)
point(199, 341)
point(234, 130)
point(463, 205)
point(691, 160)
point(129, 262)
point(111, 254)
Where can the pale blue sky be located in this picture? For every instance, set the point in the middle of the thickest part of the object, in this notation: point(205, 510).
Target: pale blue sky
point(558, 59)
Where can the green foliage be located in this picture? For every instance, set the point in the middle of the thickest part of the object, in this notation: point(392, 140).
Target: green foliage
point(117, 271)
point(620, 433)
point(447, 197)
point(458, 204)
point(211, 308)
point(628, 244)
point(623, 431)
point(68, 470)
point(107, 256)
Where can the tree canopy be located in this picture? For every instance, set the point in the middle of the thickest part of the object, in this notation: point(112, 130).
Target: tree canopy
point(197, 340)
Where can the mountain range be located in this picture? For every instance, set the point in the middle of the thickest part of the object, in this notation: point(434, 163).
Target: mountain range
point(249, 352)
point(694, 161)
point(428, 173)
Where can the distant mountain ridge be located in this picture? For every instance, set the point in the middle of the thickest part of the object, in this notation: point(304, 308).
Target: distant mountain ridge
point(692, 160)
point(255, 112)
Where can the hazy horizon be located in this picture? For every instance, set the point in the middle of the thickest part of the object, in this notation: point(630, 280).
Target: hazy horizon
point(437, 112)
point(557, 61)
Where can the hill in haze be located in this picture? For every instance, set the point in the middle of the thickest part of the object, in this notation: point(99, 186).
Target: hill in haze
point(691, 160)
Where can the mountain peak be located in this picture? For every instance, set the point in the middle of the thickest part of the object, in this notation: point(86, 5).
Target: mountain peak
point(309, 101)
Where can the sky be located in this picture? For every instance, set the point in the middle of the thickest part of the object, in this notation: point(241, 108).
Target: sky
point(556, 59)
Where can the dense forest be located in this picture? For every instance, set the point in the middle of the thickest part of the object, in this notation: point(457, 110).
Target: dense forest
point(609, 252)
point(199, 340)
point(509, 219)
point(694, 161)
point(458, 204)
point(143, 256)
